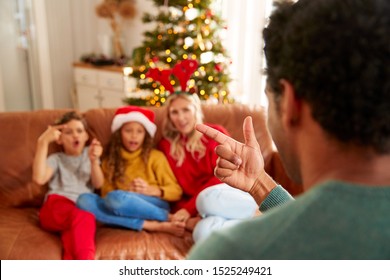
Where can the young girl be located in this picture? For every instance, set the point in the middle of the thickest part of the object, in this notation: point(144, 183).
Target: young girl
point(139, 183)
point(70, 173)
point(192, 158)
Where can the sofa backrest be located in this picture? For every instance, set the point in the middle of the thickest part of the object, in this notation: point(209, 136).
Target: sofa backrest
point(20, 131)
point(230, 116)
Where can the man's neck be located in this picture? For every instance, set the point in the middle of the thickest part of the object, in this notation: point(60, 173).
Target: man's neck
point(331, 161)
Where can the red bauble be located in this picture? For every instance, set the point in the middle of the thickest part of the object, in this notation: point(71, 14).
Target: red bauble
point(209, 13)
point(218, 67)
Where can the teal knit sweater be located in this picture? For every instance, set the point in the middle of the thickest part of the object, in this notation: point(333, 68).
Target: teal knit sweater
point(335, 220)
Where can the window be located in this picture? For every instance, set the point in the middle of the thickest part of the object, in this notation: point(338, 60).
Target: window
point(245, 21)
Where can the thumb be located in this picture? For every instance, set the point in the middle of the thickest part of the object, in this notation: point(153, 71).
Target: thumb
point(249, 133)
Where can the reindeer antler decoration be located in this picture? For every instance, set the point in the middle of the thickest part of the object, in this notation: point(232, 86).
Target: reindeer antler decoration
point(182, 70)
point(161, 76)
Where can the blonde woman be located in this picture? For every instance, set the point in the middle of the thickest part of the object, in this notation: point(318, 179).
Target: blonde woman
point(192, 159)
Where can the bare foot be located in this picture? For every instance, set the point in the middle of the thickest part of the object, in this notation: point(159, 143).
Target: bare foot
point(168, 227)
point(170, 217)
point(191, 223)
point(178, 217)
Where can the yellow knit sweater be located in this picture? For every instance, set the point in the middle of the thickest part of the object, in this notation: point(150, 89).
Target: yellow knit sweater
point(156, 173)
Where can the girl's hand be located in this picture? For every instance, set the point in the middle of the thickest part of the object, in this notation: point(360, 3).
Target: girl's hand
point(141, 186)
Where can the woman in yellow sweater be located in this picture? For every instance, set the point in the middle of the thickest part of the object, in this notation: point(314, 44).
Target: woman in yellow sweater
point(139, 183)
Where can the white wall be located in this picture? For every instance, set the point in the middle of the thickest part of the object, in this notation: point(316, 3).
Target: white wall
point(245, 20)
point(2, 105)
point(14, 79)
point(73, 31)
point(66, 30)
point(87, 27)
point(40, 74)
point(59, 22)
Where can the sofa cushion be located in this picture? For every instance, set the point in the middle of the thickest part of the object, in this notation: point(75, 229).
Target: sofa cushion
point(124, 244)
point(20, 131)
point(23, 239)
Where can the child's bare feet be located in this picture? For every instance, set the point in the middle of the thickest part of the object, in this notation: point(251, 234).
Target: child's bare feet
point(168, 227)
point(191, 223)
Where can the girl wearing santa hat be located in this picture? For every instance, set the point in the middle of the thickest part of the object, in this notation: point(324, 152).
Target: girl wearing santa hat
point(139, 183)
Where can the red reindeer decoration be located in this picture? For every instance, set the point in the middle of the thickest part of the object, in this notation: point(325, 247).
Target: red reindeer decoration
point(183, 70)
point(161, 76)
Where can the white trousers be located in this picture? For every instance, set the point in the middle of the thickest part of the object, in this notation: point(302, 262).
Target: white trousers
point(222, 206)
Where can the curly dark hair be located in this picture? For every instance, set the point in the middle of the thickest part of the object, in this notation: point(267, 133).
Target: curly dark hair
point(336, 54)
point(112, 156)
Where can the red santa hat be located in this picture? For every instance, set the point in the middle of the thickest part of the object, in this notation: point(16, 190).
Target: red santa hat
point(134, 114)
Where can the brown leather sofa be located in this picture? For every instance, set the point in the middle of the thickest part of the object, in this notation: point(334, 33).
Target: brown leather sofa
point(20, 234)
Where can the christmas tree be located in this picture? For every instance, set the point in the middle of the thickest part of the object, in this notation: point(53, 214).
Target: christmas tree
point(185, 30)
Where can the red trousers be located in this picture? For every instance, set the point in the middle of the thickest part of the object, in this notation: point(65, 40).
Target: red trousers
point(77, 227)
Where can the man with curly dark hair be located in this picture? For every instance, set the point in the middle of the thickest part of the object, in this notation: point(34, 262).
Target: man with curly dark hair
point(328, 85)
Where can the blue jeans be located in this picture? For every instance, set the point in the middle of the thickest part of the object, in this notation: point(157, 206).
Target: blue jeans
point(125, 209)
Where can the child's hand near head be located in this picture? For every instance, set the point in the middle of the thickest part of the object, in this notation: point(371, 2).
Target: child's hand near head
point(52, 133)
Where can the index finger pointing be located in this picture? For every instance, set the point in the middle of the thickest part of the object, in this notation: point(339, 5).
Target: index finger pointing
point(58, 126)
point(214, 134)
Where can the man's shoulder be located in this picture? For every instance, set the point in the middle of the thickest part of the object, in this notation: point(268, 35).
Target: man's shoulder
point(314, 226)
point(264, 236)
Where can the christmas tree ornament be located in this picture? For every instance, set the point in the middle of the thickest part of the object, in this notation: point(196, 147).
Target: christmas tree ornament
point(161, 76)
point(184, 70)
point(116, 11)
point(190, 30)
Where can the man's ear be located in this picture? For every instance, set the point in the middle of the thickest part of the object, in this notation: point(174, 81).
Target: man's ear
point(290, 105)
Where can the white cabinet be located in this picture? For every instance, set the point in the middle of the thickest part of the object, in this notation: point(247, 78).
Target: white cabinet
point(98, 87)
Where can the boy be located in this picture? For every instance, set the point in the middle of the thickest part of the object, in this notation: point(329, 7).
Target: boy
point(73, 171)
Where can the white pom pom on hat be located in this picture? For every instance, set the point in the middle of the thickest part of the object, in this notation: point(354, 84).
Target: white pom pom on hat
point(134, 114)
